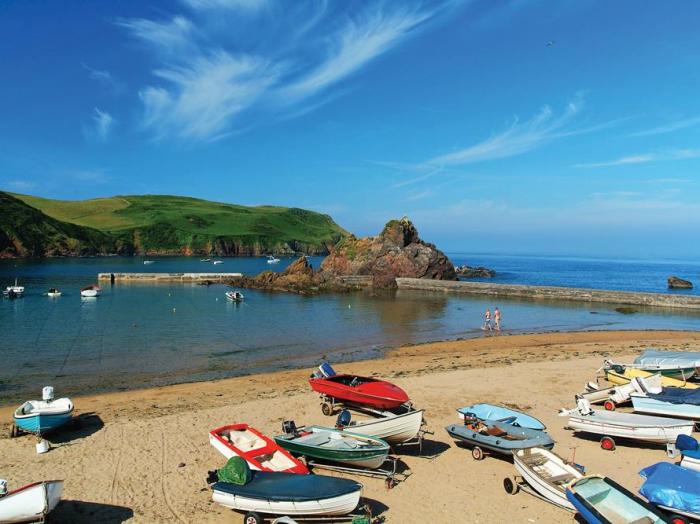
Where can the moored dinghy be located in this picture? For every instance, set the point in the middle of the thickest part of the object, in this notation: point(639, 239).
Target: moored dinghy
point(611, 424)
point(31, 503)
point(333, 445)
point(234, 296)
point(53, 292)
point(91, 291)
point(274, 493)
point(42, 416)
point(546, 473)
point(498, 437)
point(261, 452)
point(485, 411)
point(601, 500)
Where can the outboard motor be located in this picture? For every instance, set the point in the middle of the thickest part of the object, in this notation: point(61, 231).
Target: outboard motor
point(470, 419)
point(327, 370)
point(686, 443)
point(3, 487)
point(47, 393)
point(584, 406)
point(343, 419)
point(289, 428)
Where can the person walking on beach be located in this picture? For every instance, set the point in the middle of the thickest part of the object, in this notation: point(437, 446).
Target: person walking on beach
point(497, 318)
point(487, 320)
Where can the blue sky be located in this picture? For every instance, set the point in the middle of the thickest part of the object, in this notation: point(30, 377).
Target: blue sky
point(515, 127)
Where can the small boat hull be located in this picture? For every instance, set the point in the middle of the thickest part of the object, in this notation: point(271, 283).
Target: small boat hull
point(39, 417)
point(362, 391)
point(390, 427)
point(331, 445)
point(624, 376)
point(494, 412)
point(645, 404)
point(499, 437)
point(91, 291)
point(31, 503)
point(600, 500)
point(547, 473)
point(288, 494)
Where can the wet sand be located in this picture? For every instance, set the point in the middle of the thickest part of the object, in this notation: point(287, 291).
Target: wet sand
point(142, 456)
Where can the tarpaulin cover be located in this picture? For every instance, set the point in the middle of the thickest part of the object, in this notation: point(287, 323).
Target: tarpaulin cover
point(677, 396)
point(654, 357)
point(688, 445)
point(236, 471)
point(672, 486)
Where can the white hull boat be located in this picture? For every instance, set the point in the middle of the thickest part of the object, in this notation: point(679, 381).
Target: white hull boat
point(272, 260)
point(690, 463)
point(91, 291)
point(546, 473)
point(31, 503)
point(615, 395)
point(234, 296)
point(658, 430)
point(341, 505)
point(217, 262)
point(14, 290)
point(53, 293)
point(390, 427)
point(671, 402)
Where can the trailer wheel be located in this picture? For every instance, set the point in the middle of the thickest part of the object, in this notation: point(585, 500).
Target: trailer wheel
point(389, 483)
point(679, 519)
point(510, 485)
point(609, 405)
point(326, 409)
point(477, 453)
point(607, 444)
point(252, 518)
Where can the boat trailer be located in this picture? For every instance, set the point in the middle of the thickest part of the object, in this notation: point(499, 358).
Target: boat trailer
point(388, 472)
point(361, 515)
point(329, 405)
point(512, 485)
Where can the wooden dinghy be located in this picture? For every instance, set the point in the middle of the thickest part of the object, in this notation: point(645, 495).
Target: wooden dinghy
point(545, 472)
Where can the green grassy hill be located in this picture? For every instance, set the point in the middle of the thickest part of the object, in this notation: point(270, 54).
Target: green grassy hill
point(156, 224)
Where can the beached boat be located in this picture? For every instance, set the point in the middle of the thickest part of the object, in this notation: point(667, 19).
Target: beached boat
point(656, 357)
point(500, 413)
point(674, 489)
point(272, 260)
point(42, 416)
point(545, 472)
point(690, 452)
point(288, 494)
point(53, 292)
point(260, 451)
point(498, 437)
point(334, 445)
point(620, 375)
point(31, 503)
point(354, 389)
point(91, 291)
point(13, 291)
point(674, 402)
point(610, 424)
point(613, 396)
point(393, 428)
point(601, 500)
point(672, 368)
point(234, 296)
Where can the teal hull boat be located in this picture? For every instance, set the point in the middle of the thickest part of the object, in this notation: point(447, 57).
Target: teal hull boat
point(332, 445)
point(41, 417)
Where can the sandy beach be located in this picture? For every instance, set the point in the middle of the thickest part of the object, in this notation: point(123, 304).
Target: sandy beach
point(142, 456)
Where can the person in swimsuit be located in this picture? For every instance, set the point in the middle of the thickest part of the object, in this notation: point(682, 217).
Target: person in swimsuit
point(487, 320)
point(497, 319)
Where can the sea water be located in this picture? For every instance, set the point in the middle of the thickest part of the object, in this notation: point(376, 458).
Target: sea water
point(137, 335)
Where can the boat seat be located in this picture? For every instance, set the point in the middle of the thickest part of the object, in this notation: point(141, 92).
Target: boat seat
point(561, 479)
point(496, 432)
point(534, 460)
point(643, 520)
point(315, 440)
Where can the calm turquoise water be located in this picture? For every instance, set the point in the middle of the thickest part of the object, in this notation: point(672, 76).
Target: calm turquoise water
point(138, 335)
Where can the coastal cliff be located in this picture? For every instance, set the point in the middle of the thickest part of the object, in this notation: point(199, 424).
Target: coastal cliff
point(398, 251)
point(158, 225)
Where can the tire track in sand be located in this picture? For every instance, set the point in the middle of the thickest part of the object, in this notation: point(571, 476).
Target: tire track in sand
point(162, 476)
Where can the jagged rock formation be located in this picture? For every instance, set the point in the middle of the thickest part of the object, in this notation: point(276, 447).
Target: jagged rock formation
point(679, 283)
point(397, 251)
point(475, 272)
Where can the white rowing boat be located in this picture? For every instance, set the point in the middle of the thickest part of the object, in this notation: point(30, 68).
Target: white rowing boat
point(31, 503)
point(391, 427)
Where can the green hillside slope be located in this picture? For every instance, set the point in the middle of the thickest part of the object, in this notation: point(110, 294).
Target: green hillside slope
point(157, 224)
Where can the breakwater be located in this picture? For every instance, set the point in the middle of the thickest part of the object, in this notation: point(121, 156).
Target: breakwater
point(554, 293)
point(168, 277)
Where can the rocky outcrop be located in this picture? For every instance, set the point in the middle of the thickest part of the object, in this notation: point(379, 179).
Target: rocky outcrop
point(475, 272)
point(679, 283)
point(396, 252)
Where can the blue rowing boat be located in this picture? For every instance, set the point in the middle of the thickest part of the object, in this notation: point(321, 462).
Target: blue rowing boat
point(493, 412)
point(43, 416)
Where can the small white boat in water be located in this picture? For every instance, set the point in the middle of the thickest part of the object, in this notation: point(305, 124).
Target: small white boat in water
point(272, 259)
point(545, 472)
point(205, 259)
point(53, 292)
point(609, 424)
point(148, 262)
point(91, 291)
point(13, 291)
point(31, 503)
point(217, 262)
point(234, 296)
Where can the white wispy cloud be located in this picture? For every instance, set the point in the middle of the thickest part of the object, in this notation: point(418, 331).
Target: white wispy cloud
point(669, 128)
point(205, 83)
point(104, 77)
point(678, 154)
point(100, 127)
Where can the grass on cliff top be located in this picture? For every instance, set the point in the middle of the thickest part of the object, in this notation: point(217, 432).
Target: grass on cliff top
point(202, 217)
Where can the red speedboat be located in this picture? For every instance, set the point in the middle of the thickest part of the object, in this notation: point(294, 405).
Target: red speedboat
point(353, 389)
point(260, 452)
